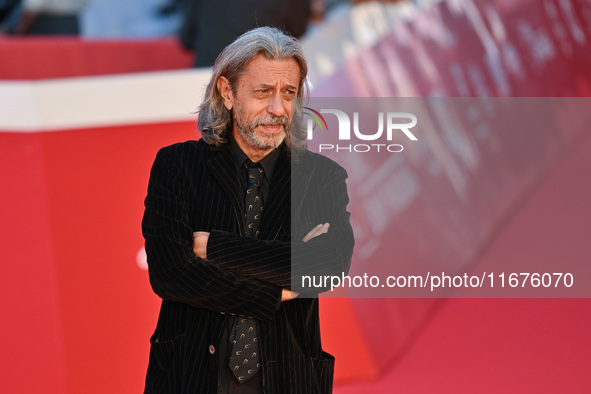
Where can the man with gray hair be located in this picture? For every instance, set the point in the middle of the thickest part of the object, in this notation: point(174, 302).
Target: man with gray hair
point(227, 217)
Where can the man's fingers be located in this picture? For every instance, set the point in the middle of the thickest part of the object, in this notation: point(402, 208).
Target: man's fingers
point(200, 239)
point(316, 231)
point(311, 233)
point(287, 295)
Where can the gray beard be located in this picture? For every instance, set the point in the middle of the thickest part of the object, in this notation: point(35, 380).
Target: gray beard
point(247, 130)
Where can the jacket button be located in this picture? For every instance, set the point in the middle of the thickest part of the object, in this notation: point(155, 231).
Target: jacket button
point(211, 349)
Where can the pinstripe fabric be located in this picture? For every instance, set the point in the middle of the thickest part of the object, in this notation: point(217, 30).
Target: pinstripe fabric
point(195, 187)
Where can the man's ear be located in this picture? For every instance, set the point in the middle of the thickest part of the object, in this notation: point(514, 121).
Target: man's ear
point(226, 92)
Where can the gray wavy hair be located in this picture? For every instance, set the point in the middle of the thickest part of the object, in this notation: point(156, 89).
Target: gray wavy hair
point(214, 118)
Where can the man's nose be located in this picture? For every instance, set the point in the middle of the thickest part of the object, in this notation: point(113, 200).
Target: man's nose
point(276, 105)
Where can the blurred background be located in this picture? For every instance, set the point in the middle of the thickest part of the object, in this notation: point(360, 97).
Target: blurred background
point(91, 89)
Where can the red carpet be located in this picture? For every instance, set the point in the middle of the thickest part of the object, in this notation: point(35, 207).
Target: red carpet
point(512, 345)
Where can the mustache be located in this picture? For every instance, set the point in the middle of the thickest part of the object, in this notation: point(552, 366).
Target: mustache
point(271, 120)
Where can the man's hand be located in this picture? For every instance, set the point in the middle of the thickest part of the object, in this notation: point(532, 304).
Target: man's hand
point(316, 231)
point(200, 239)
point(287, 295)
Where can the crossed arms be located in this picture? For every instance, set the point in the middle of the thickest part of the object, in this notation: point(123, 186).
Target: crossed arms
point(236, 274)
point(200, 239)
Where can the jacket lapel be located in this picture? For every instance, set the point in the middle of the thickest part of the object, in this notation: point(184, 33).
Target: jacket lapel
point(289, 183)
point(300, 182)
point(222, 167)
point(277, 210)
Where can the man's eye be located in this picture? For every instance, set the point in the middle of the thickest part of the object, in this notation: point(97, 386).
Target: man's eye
point(263, 90)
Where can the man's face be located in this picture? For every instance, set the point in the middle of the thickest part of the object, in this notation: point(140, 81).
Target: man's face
point(261, 103)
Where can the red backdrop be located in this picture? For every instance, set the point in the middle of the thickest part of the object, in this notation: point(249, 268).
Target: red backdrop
point(78, 309)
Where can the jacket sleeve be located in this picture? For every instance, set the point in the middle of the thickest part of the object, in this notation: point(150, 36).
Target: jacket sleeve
point(176, 273)
point(286, 264)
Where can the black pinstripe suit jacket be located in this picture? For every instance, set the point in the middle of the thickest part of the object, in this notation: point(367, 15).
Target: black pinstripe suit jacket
point(195, 187)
